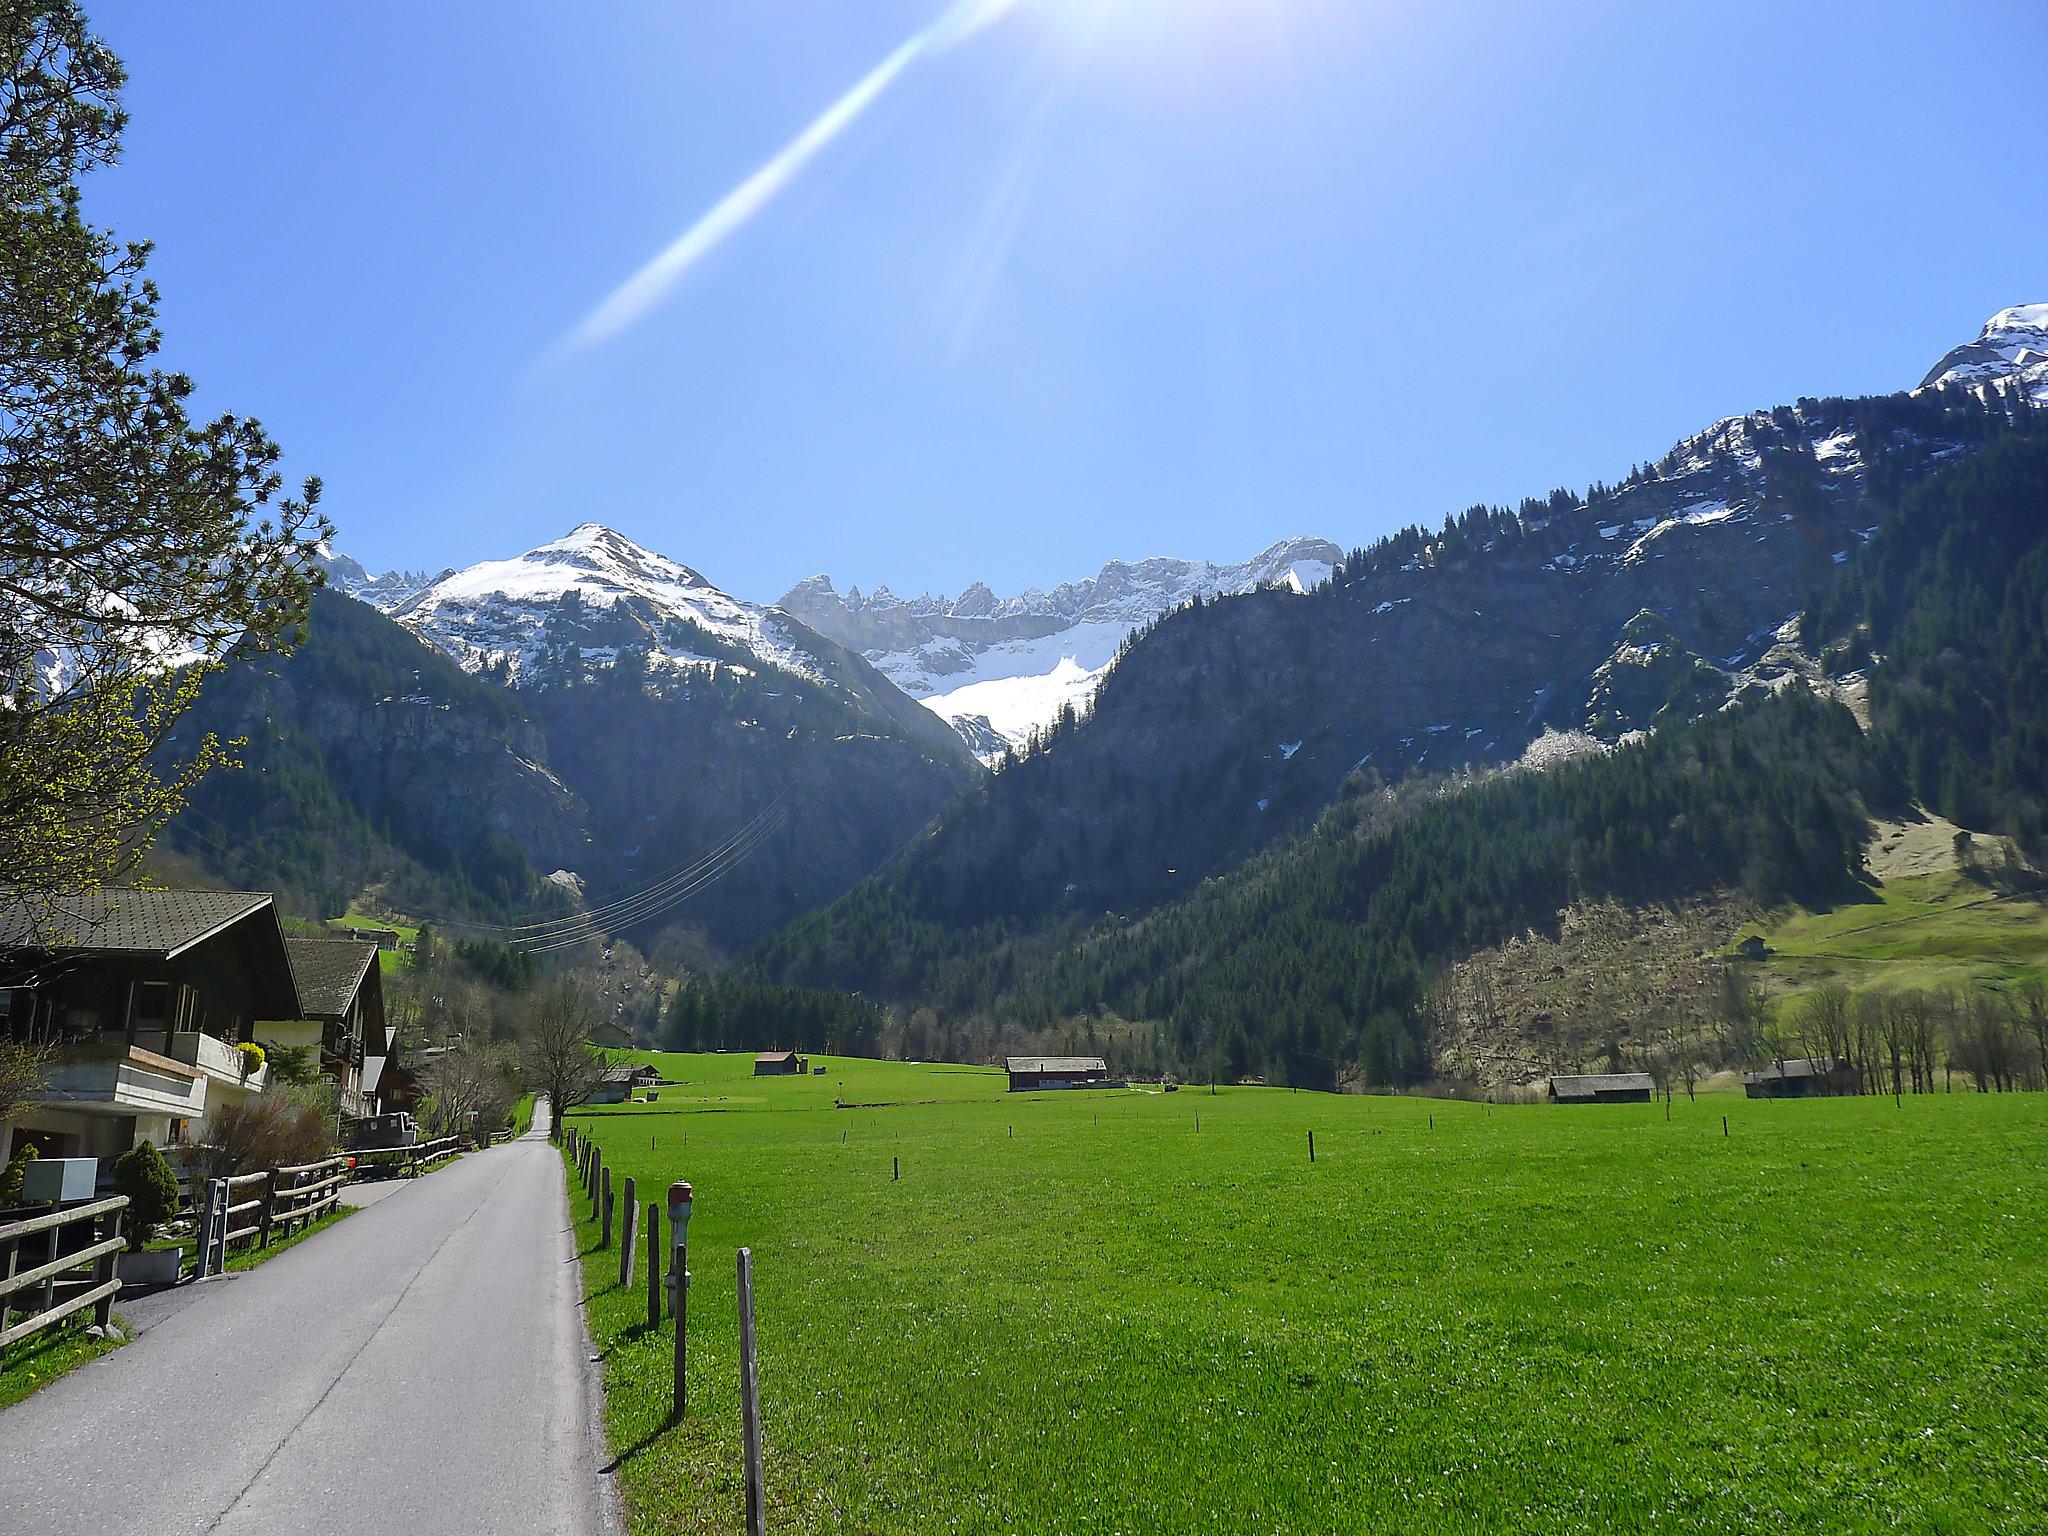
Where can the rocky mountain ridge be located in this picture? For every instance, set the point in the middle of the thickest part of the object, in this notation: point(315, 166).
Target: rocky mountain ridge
point(1001, 668)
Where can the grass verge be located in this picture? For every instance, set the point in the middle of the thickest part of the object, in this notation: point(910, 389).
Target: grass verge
point(34, 1363)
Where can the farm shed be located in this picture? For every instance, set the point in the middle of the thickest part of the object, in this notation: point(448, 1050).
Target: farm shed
point(615, 1087)
point(779, 1064)
point(1028, 1073)
point(1603, 1088)
point(1798, 1078)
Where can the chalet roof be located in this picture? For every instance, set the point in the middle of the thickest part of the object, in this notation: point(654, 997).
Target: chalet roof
point(1056, 1065)
point(620, 1075)
point(329, 973)
point(776, 1056)
point(155, 923)
point(1589, 1085)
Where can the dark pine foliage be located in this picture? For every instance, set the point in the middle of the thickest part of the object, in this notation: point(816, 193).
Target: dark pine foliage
point(753, 1016)
point(1954, 590)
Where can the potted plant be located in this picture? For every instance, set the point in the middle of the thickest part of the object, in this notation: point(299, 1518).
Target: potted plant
point(146, 1179)
point(252, 1058)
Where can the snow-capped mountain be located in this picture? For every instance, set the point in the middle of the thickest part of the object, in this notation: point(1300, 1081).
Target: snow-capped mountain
point(1000, 668)
point(589, 597)
point(348, 577)
point(2012, 346)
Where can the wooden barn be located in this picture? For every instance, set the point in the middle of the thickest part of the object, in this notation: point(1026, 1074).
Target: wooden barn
point(1029, 1073)
point(1603, 1088)
point(779, 1064)
point(1799, 1078)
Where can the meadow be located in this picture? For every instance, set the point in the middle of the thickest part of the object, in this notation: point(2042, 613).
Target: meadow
point(1937, 931)
point(1129, 1311)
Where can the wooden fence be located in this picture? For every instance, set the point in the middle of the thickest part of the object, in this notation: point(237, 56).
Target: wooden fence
point(298, 1194)
point(62, 1258)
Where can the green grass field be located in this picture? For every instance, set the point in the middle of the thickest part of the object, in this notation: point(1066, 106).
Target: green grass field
point(1077, 1312)
point(1931, 931)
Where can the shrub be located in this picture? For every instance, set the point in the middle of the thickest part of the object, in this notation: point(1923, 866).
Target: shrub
point(146, 1179)
point(284, 1127)
point(12, 1176)
point(252, 1057)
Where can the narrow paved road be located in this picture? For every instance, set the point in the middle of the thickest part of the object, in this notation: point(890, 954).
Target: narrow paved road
point(421, 1366)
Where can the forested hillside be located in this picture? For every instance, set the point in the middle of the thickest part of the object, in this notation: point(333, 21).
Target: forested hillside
point(1954, 593)
point(370, 757)
point(1308, 964)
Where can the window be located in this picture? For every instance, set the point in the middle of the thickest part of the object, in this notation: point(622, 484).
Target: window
point(188, 1010)
point(152, 1005)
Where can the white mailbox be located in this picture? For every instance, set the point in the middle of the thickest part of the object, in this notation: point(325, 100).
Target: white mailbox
point(63, 1179)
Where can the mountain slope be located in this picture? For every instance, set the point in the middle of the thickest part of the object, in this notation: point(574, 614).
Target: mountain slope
point(1002, 669)
point(668, 721)
point(368, 758)
point(1230, 726)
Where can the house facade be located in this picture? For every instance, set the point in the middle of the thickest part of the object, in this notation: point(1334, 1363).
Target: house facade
point(341, 1016)
point(144, 997)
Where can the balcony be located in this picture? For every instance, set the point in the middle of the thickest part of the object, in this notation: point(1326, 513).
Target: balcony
point(218, 1060)
point(116, 1079)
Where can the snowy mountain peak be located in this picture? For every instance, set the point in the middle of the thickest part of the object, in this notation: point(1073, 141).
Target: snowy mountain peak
point(2012, 345)
point(999, 668)
point(596, 593)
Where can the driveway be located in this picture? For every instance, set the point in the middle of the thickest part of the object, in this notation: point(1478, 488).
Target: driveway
point(420, 1366)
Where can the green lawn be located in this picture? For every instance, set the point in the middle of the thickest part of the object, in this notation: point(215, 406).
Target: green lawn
point(1077, 1312)
point(1927, 931)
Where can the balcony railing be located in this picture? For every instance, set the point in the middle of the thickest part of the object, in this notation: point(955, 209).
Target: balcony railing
point(217, 1059)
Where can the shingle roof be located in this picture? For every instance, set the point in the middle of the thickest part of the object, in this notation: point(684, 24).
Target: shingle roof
point(1057, 1064)
point(1589, 1084)
point(329, 973)
point(160, 923)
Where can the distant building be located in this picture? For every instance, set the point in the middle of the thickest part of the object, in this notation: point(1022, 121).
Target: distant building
point(616, 1086)
point(1797, 1078)
point(780, 1064)
point(383, 938)
point(1030, 1073)
point(1603, 1088)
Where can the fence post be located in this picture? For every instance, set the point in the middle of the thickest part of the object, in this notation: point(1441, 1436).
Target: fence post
point(103, 1271)
point(632, 1216)
point(679, 1205)
point(604, 1202)
point(206, 1229)
point(750, 1399)
point(653, 1266)
point(269, 1209)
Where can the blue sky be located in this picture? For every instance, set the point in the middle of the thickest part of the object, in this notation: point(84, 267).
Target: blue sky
point(1102, 278)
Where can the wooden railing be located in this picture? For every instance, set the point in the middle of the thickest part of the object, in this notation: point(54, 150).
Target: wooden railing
point(298, 1194)
point(427, 1153)
point(102, 1220)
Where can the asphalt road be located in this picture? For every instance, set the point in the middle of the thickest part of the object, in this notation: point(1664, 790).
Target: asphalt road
point(421, 1366)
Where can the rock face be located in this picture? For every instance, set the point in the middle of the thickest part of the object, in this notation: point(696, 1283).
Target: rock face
point(998, 668)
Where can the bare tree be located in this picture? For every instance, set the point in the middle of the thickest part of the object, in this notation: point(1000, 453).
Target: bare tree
point(560, 1060)
point(2032, 995)
point(468, 1088)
